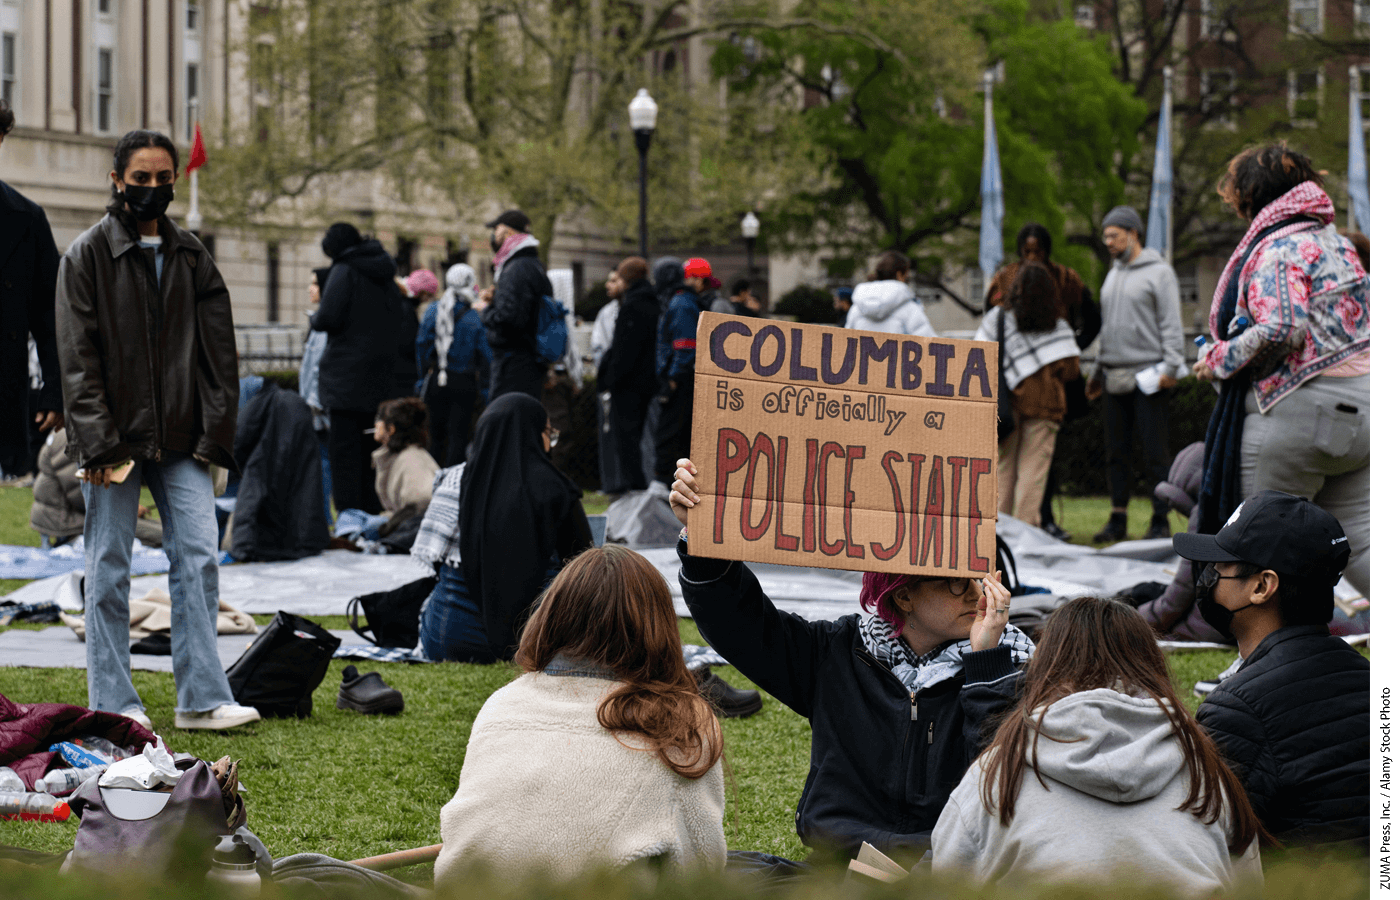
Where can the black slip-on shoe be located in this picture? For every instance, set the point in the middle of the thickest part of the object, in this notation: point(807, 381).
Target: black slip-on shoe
point(729, 701)
point(367, 694)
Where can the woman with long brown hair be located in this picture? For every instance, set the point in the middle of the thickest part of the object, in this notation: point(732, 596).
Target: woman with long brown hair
point(603, 752)
point(1099, 771)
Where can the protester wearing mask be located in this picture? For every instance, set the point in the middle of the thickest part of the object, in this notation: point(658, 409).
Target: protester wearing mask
point(361, 311)
point(454, 363)
point(161, 395)
point(512, 310)
point(1293, 719)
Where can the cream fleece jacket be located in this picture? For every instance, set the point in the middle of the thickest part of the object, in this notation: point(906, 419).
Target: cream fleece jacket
point(545, 787)
point(404, 480)
point(1114, 777)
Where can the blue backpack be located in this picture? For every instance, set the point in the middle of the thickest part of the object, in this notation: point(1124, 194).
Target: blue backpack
point(551, 331)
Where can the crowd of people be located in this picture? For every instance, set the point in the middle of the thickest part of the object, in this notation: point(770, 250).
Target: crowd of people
point(941, 734)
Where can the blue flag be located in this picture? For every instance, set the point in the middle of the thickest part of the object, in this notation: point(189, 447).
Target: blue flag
point(1358, 193)
point(993, 203)
point(1159, 213)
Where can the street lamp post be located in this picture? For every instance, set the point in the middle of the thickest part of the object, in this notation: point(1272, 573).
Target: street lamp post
point(642, 112)
point(749, 229)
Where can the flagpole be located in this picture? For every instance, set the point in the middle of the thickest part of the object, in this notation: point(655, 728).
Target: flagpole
point(193, 220)
point(1352, 104)
point(993, 209)
point(1167, 103)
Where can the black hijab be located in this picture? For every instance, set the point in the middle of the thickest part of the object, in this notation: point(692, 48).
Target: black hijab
point(514, 502)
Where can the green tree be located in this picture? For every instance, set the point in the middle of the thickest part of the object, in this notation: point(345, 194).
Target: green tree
point(897, 131)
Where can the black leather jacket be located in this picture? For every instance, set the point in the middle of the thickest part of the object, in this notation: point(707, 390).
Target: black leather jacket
point(148, 369)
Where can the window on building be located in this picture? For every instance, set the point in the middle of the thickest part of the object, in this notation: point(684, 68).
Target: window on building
point(1304, 97)
point(9, 66)
point(1218, 97)
point(1084, 15)
point(104, 89)
point(1361, 17)
point(274, 286)
point(192, 15)
point(191, 99)
point(104, 6)
point(1305, 16)
point(1212, 26)
point(1363, 93)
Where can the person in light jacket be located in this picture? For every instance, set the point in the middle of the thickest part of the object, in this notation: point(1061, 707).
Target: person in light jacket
point(603, 753)
point(1099, 773)
point(888, 303)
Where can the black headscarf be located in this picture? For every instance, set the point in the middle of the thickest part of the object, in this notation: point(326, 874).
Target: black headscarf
point(514, 502)
point(669, 276)
point(340, 237)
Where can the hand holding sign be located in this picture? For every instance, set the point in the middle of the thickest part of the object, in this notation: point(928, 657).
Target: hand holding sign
point(685, 490)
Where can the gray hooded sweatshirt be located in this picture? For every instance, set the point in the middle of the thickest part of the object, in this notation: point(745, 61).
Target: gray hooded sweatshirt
point(1141, 314)
point(1114, 776)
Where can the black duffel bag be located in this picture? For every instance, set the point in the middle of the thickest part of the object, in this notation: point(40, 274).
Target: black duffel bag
point(392, 616)
point(285, 664)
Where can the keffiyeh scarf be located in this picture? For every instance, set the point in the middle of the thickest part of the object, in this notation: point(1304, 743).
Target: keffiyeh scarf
point(917, 673)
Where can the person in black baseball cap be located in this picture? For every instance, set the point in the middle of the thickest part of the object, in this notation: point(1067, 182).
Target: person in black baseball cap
point(1292, 719)
point(510, 308)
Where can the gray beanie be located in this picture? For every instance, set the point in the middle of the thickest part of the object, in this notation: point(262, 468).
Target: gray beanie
point(1125, 217)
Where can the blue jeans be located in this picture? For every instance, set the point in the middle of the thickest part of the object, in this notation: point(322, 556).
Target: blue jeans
point(451, 626)
point(185, 497)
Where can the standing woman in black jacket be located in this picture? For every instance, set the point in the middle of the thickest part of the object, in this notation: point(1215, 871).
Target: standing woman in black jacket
point(360, 311)
point(150, 391)
point(628, 373)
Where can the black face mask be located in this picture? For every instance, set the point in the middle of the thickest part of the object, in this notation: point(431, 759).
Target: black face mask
point(1216, 616)
point(495, 245)
point(148, 202)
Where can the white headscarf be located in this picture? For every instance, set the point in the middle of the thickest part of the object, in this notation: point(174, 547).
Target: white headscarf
point(461, 284)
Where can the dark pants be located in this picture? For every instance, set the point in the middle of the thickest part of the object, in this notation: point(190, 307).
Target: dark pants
point(1122, 415)
point(513, 371)
point(450, 411)
point(621, 419)
point(352, 471)
point(673, 432)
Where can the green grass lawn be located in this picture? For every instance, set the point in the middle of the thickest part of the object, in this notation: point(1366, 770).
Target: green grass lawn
point(352, 786)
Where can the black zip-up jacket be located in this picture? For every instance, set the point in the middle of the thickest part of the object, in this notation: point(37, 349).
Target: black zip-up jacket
point(362, 313)
point(148, 368)
point(883, 761)
point(512, 320)
point(1293, 723)
point(629, 366)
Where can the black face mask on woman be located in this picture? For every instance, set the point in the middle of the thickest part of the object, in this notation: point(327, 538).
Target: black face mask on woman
point(148, 202)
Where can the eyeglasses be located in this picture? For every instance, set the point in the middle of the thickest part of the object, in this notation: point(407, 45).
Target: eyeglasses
point(956, 586)
point(553, 438)
point(1210, 577)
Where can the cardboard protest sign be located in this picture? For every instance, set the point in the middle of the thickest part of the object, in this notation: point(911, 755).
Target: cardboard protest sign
point(844, 449)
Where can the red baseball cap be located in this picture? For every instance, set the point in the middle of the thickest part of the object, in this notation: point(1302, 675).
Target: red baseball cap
point(697, 268)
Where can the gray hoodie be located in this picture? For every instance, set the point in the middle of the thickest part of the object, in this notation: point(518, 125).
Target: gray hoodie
point(888, 306)
point(1114, 776)
point(1141, 314)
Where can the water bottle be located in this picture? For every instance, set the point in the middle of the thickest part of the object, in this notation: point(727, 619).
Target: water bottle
point(235, 866)
point(32, 807)
point(10, 780)
point(66, 781)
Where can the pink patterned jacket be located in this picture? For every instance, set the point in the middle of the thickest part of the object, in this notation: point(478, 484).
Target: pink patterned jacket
point(1305, 294)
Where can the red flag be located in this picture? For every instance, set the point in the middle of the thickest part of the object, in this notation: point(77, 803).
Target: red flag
point(197, 156)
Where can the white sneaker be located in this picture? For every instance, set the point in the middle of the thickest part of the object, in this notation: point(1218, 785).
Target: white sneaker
point(230, 715)
point(138, 715)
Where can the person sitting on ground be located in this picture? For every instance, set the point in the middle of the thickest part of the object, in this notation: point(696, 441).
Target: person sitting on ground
point(603, 753)
point(1098, 738)
point(897, 699)
point(887, 302)
point(518, 520)
point(1293, 719)
point(403, 471)
point(59, 510)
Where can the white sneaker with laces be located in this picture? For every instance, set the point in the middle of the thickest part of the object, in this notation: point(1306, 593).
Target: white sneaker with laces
point(230, 715)
point(138, 715)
